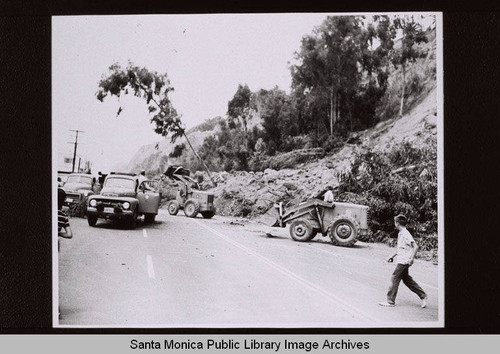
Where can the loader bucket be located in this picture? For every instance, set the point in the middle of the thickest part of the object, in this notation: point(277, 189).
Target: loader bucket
point(278, 211)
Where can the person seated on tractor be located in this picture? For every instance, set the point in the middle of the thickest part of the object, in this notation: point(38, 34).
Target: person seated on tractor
point(328, 196)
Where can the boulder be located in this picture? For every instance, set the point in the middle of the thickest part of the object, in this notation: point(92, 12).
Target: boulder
point(290, 186)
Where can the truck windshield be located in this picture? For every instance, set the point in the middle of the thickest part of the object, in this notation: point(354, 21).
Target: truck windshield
point(117, 182)
point(80, 179)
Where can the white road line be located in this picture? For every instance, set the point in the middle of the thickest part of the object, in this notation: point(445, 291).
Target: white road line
point(144, 232)
point(151, 270)
point(298, 279)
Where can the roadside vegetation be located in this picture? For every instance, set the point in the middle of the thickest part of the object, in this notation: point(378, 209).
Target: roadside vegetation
point(399, 180)
point(349, 76)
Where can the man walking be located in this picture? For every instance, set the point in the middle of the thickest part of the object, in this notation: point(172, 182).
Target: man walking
point(406, 251)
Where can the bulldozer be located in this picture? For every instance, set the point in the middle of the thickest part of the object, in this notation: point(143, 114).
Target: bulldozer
point(342, 222)
point(189, 197)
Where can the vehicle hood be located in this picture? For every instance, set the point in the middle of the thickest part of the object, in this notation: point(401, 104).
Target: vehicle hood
point(117, 192)
point(74, 187)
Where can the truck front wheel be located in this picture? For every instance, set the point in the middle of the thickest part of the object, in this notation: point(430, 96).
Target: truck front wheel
point(92, 220)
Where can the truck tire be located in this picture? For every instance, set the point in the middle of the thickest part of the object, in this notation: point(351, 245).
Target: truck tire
point(173, 207)
point(149, 218)
point(132, 221)
point(343, 231)
point(191, 208)
point(208, 214)
point(301, 230)
point(92, 220)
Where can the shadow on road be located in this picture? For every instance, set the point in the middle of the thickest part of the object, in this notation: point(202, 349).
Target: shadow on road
point(325, 241)
point(122, 225)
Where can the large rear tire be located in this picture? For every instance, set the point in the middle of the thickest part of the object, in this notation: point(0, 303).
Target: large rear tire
point(191, 208)
point(173, 207)
point(92, 220)
point(343, 231)
point(301, 230)
point(208, 214)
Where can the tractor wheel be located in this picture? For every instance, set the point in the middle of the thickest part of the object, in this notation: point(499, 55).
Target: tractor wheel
point(301, 230)
point(92, 220)
point(149, 218)
point(343, 231)
point(191, 208)
point(132, 222)
point(208, 214)
point(173, 207)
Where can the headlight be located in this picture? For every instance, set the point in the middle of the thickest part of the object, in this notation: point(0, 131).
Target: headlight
point(126, 205)
point(93, 203)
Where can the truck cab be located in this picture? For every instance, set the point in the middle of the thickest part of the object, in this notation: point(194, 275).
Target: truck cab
point(123, 198)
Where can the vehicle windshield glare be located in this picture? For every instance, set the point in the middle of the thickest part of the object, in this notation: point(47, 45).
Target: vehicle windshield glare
point(80, 179)
point(117, 182)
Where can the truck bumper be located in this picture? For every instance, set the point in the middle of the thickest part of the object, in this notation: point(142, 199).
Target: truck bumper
point(110, 215)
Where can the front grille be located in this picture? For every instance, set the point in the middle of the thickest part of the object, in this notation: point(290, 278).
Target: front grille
point(108, 203)
point(210, 198)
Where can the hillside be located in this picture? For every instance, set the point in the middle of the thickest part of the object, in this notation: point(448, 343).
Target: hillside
point(391, 166)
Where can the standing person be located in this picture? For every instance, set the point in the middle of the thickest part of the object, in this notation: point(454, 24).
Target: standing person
point(406, 251)
point(142, 177)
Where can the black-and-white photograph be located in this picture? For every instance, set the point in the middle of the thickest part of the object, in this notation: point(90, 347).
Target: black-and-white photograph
point(248, 170)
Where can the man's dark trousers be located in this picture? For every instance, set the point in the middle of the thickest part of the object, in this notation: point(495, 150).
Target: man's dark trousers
point(401, 273)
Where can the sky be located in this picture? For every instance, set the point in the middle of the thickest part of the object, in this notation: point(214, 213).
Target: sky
point(205, 57)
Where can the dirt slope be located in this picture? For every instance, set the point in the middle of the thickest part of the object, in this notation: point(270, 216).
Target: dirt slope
point(251, 194)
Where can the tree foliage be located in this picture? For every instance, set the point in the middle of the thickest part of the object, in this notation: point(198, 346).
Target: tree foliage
point(153, 87)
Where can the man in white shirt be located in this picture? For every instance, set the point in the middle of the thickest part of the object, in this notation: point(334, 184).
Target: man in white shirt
point(328, 197)
point(406, 251)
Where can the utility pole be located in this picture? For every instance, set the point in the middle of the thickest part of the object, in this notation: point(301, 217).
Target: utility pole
point(74, 151)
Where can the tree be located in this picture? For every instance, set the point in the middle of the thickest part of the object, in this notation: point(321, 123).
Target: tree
point(330, 63)
point(269, 105)
point(411, 34)
point(154, 88)
point(239, 108)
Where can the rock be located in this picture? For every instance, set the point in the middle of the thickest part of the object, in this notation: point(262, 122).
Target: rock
point(424, 173)
point(290, 186)
point(270, 175)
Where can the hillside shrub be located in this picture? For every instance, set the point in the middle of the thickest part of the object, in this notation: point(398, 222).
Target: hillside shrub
point(400, 180)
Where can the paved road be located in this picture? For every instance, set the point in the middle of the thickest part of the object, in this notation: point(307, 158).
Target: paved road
point(182, 272)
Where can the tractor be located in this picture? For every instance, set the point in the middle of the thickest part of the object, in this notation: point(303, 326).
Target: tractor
point(189, 196)
point(342, 222)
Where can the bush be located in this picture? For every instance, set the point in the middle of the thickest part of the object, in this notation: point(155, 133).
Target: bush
point(332, 142)
point(412, 191)
point(178, 149)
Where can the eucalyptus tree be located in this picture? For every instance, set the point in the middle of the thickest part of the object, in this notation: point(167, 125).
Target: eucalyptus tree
point(154, 88)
